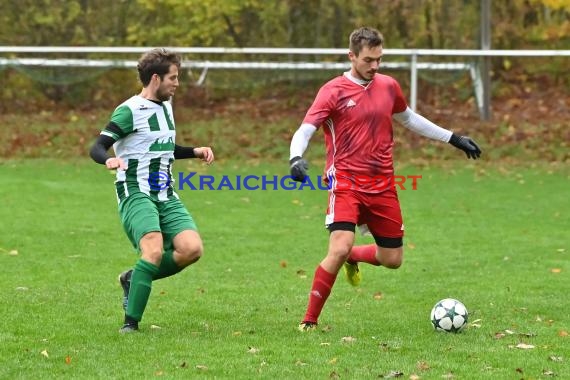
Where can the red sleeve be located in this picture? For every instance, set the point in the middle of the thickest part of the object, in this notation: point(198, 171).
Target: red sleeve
point(400, 104)
point(321, 108)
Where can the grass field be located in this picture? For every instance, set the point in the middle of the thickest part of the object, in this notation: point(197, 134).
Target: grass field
point(494, 237)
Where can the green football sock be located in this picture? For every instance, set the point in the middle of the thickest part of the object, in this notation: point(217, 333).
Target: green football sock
point(167, 267)
point(141, 284)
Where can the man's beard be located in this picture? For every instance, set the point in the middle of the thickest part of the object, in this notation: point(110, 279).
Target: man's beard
point(162, 96)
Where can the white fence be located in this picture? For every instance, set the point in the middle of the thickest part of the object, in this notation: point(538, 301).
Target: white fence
point(414, 65)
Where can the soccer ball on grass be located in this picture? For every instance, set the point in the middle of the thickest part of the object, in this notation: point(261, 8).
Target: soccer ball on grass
point(449, 315)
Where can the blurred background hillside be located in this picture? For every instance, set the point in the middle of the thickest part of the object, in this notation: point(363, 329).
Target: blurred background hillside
point(255, 110)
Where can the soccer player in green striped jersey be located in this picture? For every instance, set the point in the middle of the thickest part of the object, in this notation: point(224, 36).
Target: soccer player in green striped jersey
point(142, 132)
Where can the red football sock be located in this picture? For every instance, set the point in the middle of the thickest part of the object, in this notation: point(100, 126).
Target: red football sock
point(364, 254)
point(322, 285)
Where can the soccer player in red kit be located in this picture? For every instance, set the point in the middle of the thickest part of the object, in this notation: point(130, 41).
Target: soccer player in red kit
point(355, 111)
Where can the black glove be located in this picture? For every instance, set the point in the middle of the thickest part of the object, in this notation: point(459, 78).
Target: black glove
point(467, 145)
point(299, 168)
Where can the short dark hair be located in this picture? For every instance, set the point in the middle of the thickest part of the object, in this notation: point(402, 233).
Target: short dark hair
point(156, 61)
point(364, 36)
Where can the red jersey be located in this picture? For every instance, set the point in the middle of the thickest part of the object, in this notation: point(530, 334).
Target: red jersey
point(357, 121)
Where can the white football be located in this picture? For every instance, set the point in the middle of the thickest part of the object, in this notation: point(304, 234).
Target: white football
point(449, 315)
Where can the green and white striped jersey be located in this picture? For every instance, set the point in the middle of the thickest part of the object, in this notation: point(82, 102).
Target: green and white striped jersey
point(146, 145)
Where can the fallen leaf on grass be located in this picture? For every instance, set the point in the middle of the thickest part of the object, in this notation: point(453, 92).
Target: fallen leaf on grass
point(556, 270)
point(555, 358)
point(393, 374)
point(413, 376)
point(301, 273)
point(524, 346)
point(201, 367)
point(563, 333)
point(68, 359)
point(476, 323)
point(13, 252)
point(384, 346)
point(253, 350)
point(333, 375)
point(300, 363)
point(45, 353)
point(378, 296)
point(499, 335)
point(333, 361)
point(547, 372)
point(348, 339)
point(283, 264)
point(422, 366)
point(448, 376)
point(155, 327)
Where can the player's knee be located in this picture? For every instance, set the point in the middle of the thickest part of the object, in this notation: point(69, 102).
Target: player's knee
point(188, 246)
point(340, 251)
point(393, 263)
point(340, 244)
point(341, 256)
point(190, 252)
point(391, 257)
point(151, 247)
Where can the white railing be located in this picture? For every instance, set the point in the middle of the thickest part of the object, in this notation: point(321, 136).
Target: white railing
point(283, 51)
point(413, 65)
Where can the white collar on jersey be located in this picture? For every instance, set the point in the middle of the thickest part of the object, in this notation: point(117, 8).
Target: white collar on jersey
point(354, 79)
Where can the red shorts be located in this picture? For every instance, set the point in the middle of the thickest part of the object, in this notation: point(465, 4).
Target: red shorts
point(380, 212)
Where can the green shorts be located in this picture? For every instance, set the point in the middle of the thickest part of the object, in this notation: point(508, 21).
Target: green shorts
point(141, 215)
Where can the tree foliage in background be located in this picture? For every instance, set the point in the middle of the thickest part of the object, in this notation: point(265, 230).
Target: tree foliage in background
point(445, 24)
point(450, 24)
